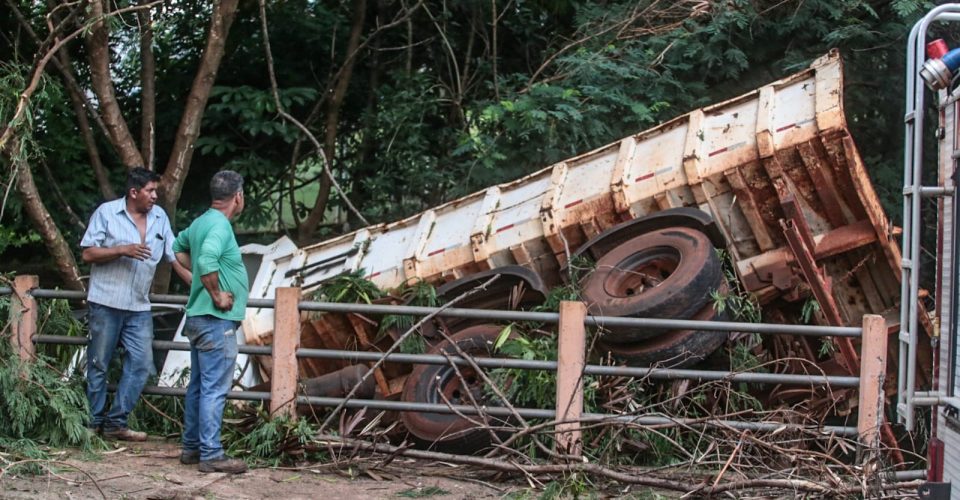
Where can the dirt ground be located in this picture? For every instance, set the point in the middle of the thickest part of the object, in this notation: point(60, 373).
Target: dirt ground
point(152, 470)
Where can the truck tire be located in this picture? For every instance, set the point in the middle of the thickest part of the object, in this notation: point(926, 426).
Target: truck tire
point(673, 349)
point(667, 273)
point(497, 295)
point(693, 218)
point(448, 432)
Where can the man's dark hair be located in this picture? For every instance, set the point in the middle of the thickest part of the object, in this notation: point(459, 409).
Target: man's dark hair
point(138, 177)
point(225, 184)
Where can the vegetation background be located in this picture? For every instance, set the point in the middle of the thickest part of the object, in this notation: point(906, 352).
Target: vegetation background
point(411, 102)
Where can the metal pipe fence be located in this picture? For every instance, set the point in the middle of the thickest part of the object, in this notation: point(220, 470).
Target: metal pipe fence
point(532, 413)
point(653, 373)
point(490, 314)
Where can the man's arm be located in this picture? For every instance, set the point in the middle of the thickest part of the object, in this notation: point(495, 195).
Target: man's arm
point(99, 255)
point(94, 250)
point(182, 271)
point(184, 259)
point(221, 300)
point(208, 267)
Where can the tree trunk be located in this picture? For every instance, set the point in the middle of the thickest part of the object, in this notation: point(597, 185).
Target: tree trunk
point(60, 251)
point(148, 99)
point(189, 128)
point(338, 93)
point(98, 48)
point(93, 152)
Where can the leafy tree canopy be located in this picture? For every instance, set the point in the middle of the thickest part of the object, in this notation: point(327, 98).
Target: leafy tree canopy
point(415, 103)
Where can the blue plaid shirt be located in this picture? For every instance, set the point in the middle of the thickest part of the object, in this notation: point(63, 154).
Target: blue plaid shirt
point(124, 283)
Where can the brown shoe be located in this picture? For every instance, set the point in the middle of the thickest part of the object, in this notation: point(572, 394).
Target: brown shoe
point(223, 464)
point(190, 457)
point(124, 434)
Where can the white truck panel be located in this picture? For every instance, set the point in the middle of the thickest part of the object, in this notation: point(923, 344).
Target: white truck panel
point(696, 160)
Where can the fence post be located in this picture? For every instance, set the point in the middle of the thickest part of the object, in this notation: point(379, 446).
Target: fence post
point(571, 346)
point(23, 316)
point(873, 368)
point(286, 341)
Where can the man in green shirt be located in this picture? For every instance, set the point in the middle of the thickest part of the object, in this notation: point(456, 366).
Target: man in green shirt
point(217, 304)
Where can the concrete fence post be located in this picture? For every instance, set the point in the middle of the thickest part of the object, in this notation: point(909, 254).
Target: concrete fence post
point(23, 316)
point(570, 363)
point(873, 368)
point(286, 341)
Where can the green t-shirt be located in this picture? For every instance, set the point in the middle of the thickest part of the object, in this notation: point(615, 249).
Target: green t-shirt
point(213, 248)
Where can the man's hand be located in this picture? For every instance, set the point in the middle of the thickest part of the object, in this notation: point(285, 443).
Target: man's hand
point(135, 251)
point(223, 300)
point(100, 255)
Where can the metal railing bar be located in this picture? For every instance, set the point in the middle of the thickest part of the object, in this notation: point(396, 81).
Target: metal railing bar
point(909, 475)
point(434, 359)
point(734, 424)
point(937, 401)
point(489, 314)
point(182, 391)
point(504, 412)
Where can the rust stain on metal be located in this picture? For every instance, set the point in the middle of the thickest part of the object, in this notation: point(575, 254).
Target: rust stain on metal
point(815, 163)
point(820, 287)
point(845, 238)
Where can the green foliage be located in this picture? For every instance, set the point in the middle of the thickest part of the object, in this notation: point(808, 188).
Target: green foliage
point(810, 309)
point(349, 288)
point(13, 78)
point(56, 318)
point(742, 305)
point(827, 348)
point(10, 238)
point(742, 358)
point(40, 407)
point(573, 485)
point(533, 388)
point(265, 440)
point(417, 293)
point(526, 388)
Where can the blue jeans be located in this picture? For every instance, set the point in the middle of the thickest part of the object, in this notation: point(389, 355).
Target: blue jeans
point(213, 356)
point(134, 330)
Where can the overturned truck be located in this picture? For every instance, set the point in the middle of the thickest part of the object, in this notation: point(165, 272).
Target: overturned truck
point(764, 194)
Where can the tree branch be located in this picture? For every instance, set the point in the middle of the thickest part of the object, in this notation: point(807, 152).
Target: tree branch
point(81, 106)
point(52, 182)
point(324, 157)
point(40, 66)
point(98, 48)
point(38, 213)
point(334, 105)
point(148, 97)
point(189, 129)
